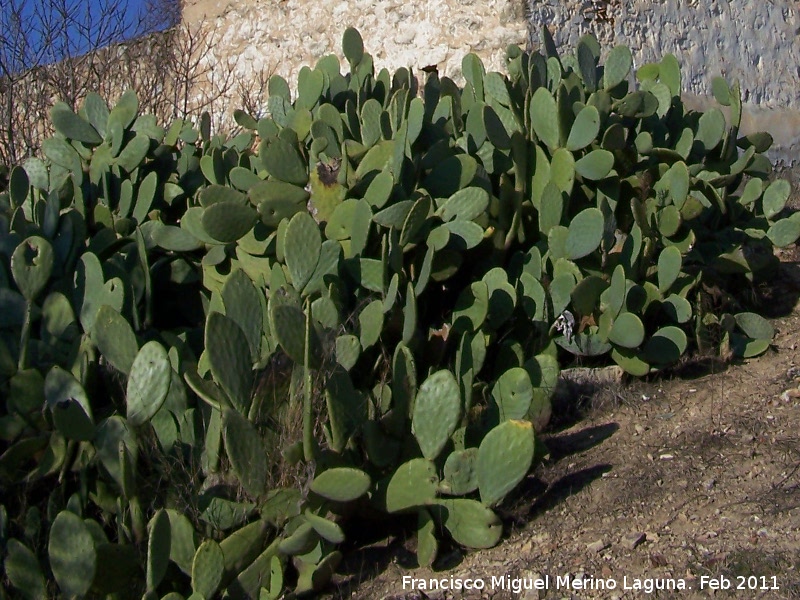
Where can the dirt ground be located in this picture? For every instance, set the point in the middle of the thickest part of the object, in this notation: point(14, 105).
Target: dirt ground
point(690, 479)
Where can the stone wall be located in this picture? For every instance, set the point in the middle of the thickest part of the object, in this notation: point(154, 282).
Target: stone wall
point(756, 41)
point(283, 35)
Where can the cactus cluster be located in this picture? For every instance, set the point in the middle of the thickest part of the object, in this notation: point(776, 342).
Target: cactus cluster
point(367, 292)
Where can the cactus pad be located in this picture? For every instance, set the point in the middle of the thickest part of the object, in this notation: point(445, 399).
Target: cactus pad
point(437, 410)
point(470, 523)
point(246, 452)
point(504, 458)
point(73, 558)
point(148, 383)
point(413, 484)
point(341, 484)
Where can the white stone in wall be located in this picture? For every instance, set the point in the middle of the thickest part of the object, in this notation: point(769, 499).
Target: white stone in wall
point(285, 35)
point(756, 41)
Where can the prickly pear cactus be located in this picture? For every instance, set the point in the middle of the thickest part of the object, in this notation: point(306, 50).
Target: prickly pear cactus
point(359, 305)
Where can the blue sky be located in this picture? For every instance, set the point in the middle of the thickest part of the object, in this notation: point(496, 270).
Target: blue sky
point(77, 26)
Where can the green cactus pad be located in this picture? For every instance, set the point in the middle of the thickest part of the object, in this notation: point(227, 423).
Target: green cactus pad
point(273, 212)
point(115, 339)
point(470, 523)
point(370, 322)
point(669, 221)
point(544, 373)
point(246, 452)
point(62, 154)
point(466, 204)
point(342, 484)
point(303, 243)
point(340, 223)
point(493, 126)
point(288, 324)
point(109, 435)
point(158, 546)
point(596, 165)
point(413, 484)
point(226, 222)
point(326, 529)
point(25, 392)
point(309, 87)
point(214, 194)
point(513, 392)
point(37, 173)
point(325, 312)
point(32, 265)
point(313, 577)
point(551, 206)
point(348, 349)
point(710, 129)
point(148, 383)
point(585, 233)
point(618, 64)
point(346, 408)
point(394, 215)
point(504, 458)
point(182, 541)
point(437, 410)
point(69, 405)
point(587, 293)
point(464, 235)
point(19, 185)
point(71, 126)
point(133, 153)
point(327, 267)
point(73, 558)
point(678, 308)
point(283, 161)
point(96, 111)
point(415, 221)
point(427, 544)
point(176, 239)
point(755, 326)
point(125, 110)
point(669, 268)
point(207, 569)
point(404, 381)
point(262, 579)
point(627, 331)
point(666, 346)
point(472, 307)
point(584, 129)
point(587, 53)
point(275, 190)
point(630, 361)
point(613, 299)
point(784, 232)
point(460, 473)
point(213, 168)
point(561, 287)
point(301, 541)
point(23, 571)
point(544, 117)
point(352, 46)
point(247, 309)
point(775, 197)
point(450, 175)
point(562, 170)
